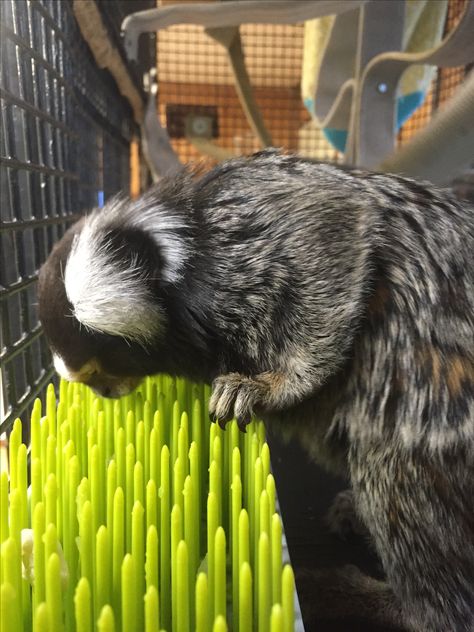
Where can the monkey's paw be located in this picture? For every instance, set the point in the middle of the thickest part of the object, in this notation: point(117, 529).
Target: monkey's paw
point(235, 395)
point(342, 519)
point(336, 598)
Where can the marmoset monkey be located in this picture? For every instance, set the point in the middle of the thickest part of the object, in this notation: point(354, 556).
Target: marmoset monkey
point(335, 303)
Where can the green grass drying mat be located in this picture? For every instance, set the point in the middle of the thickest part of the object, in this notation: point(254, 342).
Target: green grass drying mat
point(140, 516)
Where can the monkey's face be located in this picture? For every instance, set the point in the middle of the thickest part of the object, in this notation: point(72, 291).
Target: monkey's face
point(93, 374)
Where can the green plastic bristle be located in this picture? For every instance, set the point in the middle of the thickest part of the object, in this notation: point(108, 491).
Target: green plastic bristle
point(39, 593)
point(41, 622)
point(202, 603)
point(182, 595)
point(144, 518)
point(219, 573)
point(220, 624)
point(151, 563)
point(245, 598)
point(11, 610)
point(287, 590)
point(83, 606)
point(14, 445)
point(4, 529)
point(54, 592)
point(106, 622)
point(276, 620)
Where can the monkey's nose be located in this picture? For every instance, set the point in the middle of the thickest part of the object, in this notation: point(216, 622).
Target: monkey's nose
point(104, 391)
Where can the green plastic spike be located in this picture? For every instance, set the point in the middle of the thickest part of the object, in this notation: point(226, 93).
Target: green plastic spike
point(106, 622)
point(202, 603)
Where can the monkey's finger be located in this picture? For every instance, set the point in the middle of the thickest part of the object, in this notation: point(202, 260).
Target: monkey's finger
point(217, 391)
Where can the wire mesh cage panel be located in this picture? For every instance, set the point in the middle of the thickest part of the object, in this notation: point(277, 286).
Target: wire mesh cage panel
point(65, 134)
point(194, 73)
point(445, 83)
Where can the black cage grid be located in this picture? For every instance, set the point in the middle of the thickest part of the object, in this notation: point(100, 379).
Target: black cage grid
point(64, 148)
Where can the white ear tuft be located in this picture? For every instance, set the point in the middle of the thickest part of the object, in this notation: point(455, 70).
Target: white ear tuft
point(106, 296)
point(63, 370)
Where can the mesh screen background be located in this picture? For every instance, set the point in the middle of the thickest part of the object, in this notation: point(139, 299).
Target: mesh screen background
point(193, 70)
point(444, 84)
point(65, 133)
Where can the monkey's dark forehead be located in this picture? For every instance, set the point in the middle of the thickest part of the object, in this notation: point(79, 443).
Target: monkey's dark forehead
point(68, 339)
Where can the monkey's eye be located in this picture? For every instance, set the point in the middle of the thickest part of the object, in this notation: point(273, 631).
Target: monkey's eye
point(89, 369)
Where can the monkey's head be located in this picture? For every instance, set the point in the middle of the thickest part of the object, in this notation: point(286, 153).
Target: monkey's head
point(99, 299)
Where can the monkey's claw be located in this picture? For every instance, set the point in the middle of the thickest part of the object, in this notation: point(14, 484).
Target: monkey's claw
point(222, 423)
point(243, 422)
point(234, 395)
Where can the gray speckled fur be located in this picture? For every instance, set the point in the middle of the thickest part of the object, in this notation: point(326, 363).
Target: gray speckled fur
point(379, 345)
point(398, 411)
